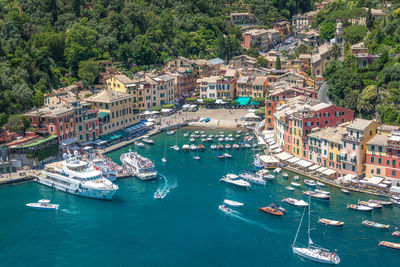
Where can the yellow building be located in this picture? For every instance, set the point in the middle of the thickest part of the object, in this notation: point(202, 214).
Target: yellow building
point(116, 110)
point(121, 83)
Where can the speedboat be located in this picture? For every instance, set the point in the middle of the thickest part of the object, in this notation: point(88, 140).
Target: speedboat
point(310, 183)
point(193, 147)
point(235, 180)
point(285, 175)
point(233, 203)
point(391, 245)
point(224, 208)
point(185, 147)
point(148, 141)
point(272, 209)
point(139, 144)
point(381, 202)
point(252, 177)
point(395, 200)
point(376, 225)
point(164, 160)
point(196, 157)
point(296, 178)
point(322, 192)
point(176, 148)
point(295, 184)
point(227, 155)
point(213, 146)
point(359, 207)
point(295, 202)
point(43, 204)
point(370, 204)
point(331, 222)
point(396, 233)
point(320, 184)
point(220, 156)
point(315, 195)
point(277, 170)
point(345, 191)
point(289, 188)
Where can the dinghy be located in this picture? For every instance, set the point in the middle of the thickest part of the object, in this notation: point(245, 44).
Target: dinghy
point(331, 222)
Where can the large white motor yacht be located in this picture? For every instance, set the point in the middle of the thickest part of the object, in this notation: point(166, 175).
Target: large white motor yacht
point(77, 177)
point(235, 180)
point(141, 167)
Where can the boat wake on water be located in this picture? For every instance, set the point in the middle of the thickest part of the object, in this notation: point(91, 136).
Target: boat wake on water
point(164, 188)
point(237, 215)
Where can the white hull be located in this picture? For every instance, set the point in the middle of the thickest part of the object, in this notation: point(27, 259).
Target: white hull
point(75, 190)
point(314, 254)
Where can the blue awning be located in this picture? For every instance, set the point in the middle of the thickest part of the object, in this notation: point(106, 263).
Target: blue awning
point(135, 127)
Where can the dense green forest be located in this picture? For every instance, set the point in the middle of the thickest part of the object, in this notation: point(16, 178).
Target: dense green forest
point(45, 44)
point(375, 90)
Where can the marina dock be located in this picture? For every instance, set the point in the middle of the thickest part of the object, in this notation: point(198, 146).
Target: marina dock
point(18, 177)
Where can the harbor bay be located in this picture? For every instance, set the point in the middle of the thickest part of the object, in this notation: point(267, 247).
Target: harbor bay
point(186, 226)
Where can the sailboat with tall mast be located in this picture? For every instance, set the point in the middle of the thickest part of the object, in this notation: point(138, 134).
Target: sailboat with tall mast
point(312, 251)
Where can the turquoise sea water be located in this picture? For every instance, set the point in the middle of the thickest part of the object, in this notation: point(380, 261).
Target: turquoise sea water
point(185, 228)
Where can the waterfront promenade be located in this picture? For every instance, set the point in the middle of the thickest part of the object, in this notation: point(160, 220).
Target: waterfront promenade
point(20, 176)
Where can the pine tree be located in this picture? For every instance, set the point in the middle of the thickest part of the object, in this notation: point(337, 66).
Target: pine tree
point(370, 20)
point(278, 63)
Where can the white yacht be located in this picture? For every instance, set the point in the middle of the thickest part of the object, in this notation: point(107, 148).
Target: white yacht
point(252, 178)
point(108, 172)
point(142, 167)
point(77, 177)
point(234, 180)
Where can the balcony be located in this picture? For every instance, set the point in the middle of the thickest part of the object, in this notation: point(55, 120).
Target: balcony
point(349, 161)
point(353, 138)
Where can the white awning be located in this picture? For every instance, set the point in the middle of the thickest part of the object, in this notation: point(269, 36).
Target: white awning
point(278, 150)
point(271, 139)
point(395, 189)
point(273, 147)
point(329, 172)
point(293, 160)
point(149, 123)
point(166, 110)
point(304, 163)
point(268, 159)
point(314, 167)
point(348, 176)
point(284, 156)
point(251, 116)
point(261, 141)
point(322, 169)
point(68, 141)
point(374, 180)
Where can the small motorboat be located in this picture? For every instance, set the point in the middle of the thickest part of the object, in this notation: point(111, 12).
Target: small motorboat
point(196, 132)
point(227, 146)
point(277, 170)
point(235, 180)
point(159, 195)
point(322, 192)
point(359, 207)
point(345, 191)
point(170, 132)
point(310, 183)
point(295, 184)
point(289, 188)
point(203, 135)
point(395, 200)
point(220, 156)
point(202, 132)
point(209, 139)
point(235, 146)
point(331, 222)
point(200, 147)
point(148, 141)
point(391, 245)
point(176, 148)
point(220, 147)
point(285, 175)
point(213, 146)
point(164, 160)
point(185, 147)
point(396, 233)
point(191, 139)
point(296, 178)
point(381, 202)
point(238, 131)
point(269, 177)
point(211, 136)
point(196, 157)
point(224, 208)
point(43, 204)
point(318, 196)
point(272, 209)
point(238, 136)
point(186, 134)
point(320, 184)
point(251, 177)
point(216, 136)
point(203, 139)
point(371, 205)
point(227, 139)
point(139, 144)
point(247, 145)
point(220, 139)
point(376, 225)
point(227, 155)
point(193, 147)
point(295, 202)
point(197, 136)
point(233, 203)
